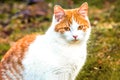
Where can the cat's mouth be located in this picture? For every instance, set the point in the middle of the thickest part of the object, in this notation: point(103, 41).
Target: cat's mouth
point(75, 41)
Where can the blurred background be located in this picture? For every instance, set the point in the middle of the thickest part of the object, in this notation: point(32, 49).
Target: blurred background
point(21, 17)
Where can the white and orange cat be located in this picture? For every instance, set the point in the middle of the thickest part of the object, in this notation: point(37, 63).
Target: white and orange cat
point(57, 55)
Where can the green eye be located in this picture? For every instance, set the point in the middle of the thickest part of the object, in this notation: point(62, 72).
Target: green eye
point(80, 27)
point(67, 28)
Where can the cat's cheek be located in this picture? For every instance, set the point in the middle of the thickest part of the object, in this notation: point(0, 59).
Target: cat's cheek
point(69, 39)
point(80, 37)
point(68, 36)
point(80, 34)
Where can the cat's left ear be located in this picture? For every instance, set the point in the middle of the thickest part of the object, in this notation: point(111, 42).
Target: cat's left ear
point(58, 12)
point(83, 10)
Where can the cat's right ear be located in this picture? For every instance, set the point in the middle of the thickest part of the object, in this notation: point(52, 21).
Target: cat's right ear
point(58, 12)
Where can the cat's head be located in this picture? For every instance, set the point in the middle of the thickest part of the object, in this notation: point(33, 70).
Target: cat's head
point(72, 24)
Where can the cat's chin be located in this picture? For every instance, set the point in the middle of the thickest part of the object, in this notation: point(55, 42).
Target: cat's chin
point(74, 42)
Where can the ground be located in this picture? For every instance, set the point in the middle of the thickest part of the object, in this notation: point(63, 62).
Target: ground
point(104, 44)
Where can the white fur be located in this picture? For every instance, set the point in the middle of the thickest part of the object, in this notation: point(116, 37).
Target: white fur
point(52, 57)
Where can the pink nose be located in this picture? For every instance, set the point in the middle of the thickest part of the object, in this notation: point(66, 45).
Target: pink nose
point(75, 36)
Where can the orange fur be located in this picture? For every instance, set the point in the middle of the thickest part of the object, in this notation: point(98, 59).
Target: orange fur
point(67, 20)
point(12, 61)
point(14, 56)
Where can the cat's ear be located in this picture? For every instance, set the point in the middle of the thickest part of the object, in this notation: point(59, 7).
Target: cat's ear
point(83, 10)
point(58, 12)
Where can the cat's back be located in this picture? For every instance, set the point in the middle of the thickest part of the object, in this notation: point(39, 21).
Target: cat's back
point(11, 64)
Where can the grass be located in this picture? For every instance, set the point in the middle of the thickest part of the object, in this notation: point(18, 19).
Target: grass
point(103, 61)
point(103, 55)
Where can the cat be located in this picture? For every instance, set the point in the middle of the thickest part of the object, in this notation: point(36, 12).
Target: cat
point(59, 54)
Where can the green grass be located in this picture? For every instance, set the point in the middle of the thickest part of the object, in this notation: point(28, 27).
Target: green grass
point(3, 48)
point(103, 60)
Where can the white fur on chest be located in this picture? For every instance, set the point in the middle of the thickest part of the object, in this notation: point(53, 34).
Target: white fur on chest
point(45, 58)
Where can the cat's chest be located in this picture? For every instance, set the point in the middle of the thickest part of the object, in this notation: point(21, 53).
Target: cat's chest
point(51, 55)
point(43, 57)
point(42, 51)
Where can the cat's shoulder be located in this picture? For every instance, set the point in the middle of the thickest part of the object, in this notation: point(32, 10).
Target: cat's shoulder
point(19, 48)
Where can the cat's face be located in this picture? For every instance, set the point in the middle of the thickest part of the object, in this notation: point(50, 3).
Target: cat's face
point(72, 24)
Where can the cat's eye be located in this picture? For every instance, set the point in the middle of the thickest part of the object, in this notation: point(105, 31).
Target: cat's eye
point(67, 28)
point(80, 27)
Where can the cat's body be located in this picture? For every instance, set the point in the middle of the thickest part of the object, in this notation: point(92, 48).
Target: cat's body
point(57, 55)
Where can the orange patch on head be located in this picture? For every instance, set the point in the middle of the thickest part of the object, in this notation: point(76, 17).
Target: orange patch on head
point(67, 20)
point(64, 17)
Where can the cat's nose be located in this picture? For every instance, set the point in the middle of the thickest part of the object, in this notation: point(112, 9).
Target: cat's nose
point(75, 36)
